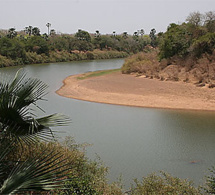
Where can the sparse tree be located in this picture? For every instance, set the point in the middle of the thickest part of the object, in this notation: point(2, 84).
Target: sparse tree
point(195, 18)
point(210, 21)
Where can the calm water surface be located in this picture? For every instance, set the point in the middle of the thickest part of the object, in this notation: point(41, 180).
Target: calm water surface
point(131, 141)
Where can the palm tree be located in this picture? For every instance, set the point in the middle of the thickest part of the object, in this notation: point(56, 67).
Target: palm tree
point(19, 125)
point(36, 31)
point(12, 33)
point(97, 34)
point(48, 26)
point(142, 32)
point(28, 30)
point(125, 35)
point(52, 32)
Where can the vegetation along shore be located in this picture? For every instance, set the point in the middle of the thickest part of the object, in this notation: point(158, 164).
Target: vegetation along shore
point(31, 47)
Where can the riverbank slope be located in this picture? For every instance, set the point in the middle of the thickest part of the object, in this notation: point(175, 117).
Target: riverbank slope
point(123, 89)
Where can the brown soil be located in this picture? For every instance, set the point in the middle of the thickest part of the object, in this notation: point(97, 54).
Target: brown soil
point(122, 89)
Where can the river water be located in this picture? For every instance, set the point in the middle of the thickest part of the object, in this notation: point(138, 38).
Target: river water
point(132, 141)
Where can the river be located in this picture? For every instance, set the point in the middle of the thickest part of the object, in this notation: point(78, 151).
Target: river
point(131, 141)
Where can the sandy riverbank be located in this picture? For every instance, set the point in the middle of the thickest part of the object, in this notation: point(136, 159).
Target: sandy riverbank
point(122, 89)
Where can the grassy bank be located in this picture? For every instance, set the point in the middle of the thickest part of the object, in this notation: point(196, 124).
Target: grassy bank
point(97, 73)
point(60, 56)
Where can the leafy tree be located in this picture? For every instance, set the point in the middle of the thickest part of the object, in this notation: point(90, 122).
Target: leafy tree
point(37, 44)
point(204, 44)
point(105, 42)
point(61, 43)
point(83, 35)
point(12, 48)
point(176, 41)
point(82, 45)
point(195, 18)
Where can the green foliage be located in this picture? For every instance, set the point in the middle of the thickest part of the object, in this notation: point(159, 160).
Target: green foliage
point(37, 44)
point(11, 48)
point(204, 44)
point(83, 35)
point(176, 41)
point(97, 73)
point(34, 58)
point(163, 184)
point(4, 61)
point(61, 43)
point(210, 182)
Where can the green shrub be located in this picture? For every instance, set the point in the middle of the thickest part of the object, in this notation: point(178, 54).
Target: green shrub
point(34, 58)
point(164, 183)
point(210, 182)
point(4, 61)
point(141, 63)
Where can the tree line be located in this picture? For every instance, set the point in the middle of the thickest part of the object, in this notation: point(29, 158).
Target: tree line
point(20, 47)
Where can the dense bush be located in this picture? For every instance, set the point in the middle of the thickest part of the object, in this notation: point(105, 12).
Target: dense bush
point(160, 184)
point(194, 38)
point(143, 63)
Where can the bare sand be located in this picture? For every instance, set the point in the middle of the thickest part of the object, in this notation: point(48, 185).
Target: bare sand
point(122, 89)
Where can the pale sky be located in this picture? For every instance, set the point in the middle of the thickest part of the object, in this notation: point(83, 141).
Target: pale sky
point(67, 16)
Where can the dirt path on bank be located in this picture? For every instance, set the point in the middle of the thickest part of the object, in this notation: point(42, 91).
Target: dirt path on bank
point(122, 89)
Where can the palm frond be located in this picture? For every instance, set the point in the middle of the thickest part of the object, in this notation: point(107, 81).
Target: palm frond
point(5, 148)
point(54, 120)
point(44, 172)
point(16, 97)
